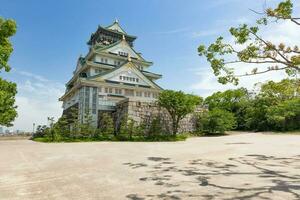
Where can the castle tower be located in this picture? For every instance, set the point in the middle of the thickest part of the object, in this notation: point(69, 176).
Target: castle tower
point(110, 72)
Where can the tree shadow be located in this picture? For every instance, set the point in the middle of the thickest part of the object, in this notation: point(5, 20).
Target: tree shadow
point(231, 143)
point(251, 176)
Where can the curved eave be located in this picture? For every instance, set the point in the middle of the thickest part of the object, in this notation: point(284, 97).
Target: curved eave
point(119, 33)
point(102, 48)
point(113, 55)
point(70, 91)
point(152, 75)
point(131, 38)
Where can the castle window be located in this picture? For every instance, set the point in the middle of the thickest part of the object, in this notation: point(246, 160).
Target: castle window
point(121, 53)
point(147, 94)
point(104, 60)
point(118, 91)
point(138, 93)
point(108, 90)
point(129, 92)
point(94, 107)
point(87, 98)
point(131, 79)
point(117, 63)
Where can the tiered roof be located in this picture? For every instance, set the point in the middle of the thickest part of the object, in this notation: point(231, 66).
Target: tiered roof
point(107, 41)
point(114, 30)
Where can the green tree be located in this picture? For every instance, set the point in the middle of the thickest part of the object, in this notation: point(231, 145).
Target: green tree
point(40, 131)
point(156, 127)
point(106, 124)
point(235, 101)
point(62, 127)
point(217, 121)
point(285, 116)
point(256, 114)
point(178, 105)
point(73, 121)
point(8, 112)
point(254, 49)
point(8, 89)
point(260, 114)
point(283, 90)
point(51, 129)
point(86, 128)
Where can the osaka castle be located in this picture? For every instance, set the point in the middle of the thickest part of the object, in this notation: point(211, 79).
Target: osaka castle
point(111, 71)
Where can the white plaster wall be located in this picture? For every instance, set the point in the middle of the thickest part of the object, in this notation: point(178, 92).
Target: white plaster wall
point(109, 60)
point(128, 73)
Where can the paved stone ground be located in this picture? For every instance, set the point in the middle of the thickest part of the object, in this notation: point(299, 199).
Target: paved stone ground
point(242, 166)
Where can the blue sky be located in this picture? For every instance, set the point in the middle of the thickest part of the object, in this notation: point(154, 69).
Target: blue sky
point(52, 34)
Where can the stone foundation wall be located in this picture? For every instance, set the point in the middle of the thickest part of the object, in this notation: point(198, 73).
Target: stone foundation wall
point(145, 112)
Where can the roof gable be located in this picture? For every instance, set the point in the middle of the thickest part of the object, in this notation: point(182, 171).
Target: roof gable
point(127, 73)
point(116, 27)
point(124, 47)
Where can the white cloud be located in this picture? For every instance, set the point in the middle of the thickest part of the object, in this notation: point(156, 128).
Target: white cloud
point(205, 33)
point(37, 99)
point(173, 31)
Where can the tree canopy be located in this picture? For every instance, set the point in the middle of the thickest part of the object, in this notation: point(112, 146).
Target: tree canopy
point(274, 108)
point(251, 48)
point(7, 29)
point(8, 89)
point(178, 105)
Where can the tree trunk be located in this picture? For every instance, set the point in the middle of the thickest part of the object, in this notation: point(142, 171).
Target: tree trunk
point(175, 126)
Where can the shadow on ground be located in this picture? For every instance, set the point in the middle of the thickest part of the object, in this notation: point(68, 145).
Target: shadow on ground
point(247, 177)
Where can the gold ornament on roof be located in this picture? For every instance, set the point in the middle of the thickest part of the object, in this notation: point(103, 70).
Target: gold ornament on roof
point(128, 58)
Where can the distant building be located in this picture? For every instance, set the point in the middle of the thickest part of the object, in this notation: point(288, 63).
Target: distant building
point(111, 72)
point(1, 130)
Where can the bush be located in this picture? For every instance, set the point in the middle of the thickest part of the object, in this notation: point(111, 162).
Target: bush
point(216, 121)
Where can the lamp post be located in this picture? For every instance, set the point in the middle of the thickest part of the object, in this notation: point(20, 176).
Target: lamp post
point(33, 128)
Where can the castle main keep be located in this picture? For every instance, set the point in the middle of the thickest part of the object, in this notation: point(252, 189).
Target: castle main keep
point(111, 73)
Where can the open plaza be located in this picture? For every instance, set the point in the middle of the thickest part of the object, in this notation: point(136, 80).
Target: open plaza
point(238, 166)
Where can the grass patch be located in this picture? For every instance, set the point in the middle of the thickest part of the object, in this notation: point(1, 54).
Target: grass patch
point(205, 134)
point(119, 138)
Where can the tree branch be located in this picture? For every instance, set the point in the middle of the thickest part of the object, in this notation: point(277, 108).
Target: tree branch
point(262, 72)
point(250, 62)
point(274, 48)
